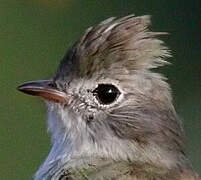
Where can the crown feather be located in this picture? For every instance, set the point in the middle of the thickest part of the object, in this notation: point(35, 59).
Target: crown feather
point(124, 42)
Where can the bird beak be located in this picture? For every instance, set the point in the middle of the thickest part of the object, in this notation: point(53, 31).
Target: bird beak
point(45, 89)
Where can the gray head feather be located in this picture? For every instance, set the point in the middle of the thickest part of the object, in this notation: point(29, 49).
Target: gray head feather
point(141, 126)
point(124, 42)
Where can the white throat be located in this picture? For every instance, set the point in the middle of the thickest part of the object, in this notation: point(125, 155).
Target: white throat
point(70, 140)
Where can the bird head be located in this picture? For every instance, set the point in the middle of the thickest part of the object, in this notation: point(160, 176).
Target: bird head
point(105, 100)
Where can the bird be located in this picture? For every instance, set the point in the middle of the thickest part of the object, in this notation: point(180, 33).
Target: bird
point(110, 114)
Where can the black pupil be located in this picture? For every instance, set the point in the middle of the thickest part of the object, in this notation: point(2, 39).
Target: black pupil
point(106, 93)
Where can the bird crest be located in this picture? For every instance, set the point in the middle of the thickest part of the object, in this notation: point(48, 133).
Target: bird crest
point(120, 42)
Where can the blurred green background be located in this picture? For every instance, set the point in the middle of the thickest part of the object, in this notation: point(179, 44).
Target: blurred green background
point(34, 35)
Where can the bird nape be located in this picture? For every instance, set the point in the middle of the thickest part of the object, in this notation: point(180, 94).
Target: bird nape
point(109, 115)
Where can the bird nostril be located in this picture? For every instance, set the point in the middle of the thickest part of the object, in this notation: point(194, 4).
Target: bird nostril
point(52, 84)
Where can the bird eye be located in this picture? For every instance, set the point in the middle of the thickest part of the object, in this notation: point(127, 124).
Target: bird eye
point(106, 93)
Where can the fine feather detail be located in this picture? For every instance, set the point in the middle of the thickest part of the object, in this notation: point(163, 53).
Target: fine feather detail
point(125, 42)
point(133, 129)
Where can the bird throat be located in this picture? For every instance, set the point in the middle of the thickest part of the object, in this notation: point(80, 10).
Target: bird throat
point(74, 157)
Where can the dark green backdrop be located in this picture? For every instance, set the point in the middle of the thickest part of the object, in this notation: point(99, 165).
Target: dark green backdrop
point(34, 35)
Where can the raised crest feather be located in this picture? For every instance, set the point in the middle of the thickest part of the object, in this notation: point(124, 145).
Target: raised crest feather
point(119, 42)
